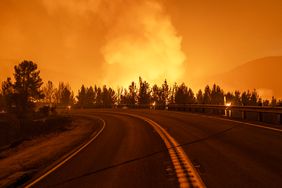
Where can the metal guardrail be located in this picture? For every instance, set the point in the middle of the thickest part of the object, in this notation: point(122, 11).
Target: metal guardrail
point(232, 107)
point(257, 113)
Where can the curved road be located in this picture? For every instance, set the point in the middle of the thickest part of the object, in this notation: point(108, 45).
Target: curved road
point(129, 152)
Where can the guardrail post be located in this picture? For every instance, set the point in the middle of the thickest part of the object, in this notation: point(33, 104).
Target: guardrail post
point(243, 114)
point(279, 118)
point(260, 116)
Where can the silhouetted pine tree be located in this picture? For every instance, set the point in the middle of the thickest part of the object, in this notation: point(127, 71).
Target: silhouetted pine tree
point(156, 95)
point(160, 95)
point(144, 94)
point(266, 103)
point(246, 97)
point(191, 97)
point(81, 97)
point(237, 99)
point(200, 97)
point(279, 103)
point(254, 98)
point(165, 93)
point(230, 97)
point(217, 95)
point(25, 91)
point(90, 97)
point(8, 94)
point(98, 100)
point(183, 95)
point(132, 95)
point(125, 98)
point(119, 95)
point(66, 96)
point(2, 102)
point(207, 95)
point(108, 97)
point(273, 101)
point(173, 92)
point(49, 91)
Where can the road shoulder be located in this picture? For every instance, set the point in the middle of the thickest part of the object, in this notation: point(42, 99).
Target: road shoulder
point(21, 163)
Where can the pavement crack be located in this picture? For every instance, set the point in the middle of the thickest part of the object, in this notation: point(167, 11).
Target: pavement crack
point(205, 138)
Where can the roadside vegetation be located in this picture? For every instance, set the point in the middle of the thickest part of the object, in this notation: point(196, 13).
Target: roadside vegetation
point(22, 116)
point(142, 95)
point(29, 107)
point(29, 97)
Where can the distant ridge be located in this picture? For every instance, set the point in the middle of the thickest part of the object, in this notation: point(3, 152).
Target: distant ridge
point(264, 74)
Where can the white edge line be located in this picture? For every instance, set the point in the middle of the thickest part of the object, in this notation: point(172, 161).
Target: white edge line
point(236, 121)
point(246, 123)
point(68, 158)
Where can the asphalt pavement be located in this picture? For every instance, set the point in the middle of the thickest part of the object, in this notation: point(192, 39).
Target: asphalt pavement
point(130, 153)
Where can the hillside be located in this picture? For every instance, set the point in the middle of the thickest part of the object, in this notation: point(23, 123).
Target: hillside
point(263, 74)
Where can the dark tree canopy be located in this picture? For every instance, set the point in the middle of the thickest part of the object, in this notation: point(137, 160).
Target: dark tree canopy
point(90, 97)
point(165, 93)
point(81, 97)
point(25, 91)
point(132, 95)
point(250, 98)
point(49, 93)
point(97, 97)
point(144, 93)
point(8, 94)
point(157, 95)
point(98, 100)
point(207, 95)
point(183, 95)
point(200, 97)
point(67, 97)
point(217, 95)
point(108, 96)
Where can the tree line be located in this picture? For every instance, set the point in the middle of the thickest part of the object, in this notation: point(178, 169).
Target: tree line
point(27, 89)
point(141, 94)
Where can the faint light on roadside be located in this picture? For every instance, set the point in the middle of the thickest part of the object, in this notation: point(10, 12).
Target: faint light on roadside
point(228, 104)
point(153, 105)
point(69, 107)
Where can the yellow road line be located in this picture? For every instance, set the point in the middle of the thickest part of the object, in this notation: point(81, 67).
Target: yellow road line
point(68, 158)
point(186, 173)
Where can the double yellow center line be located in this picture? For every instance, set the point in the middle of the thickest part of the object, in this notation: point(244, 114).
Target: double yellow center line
point(186, 173)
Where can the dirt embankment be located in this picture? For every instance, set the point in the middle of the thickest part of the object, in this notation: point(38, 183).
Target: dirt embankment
point(20, 163)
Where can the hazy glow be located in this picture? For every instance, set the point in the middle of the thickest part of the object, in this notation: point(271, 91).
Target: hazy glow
point(228, 104)
point(143, 42)
point(115, 41)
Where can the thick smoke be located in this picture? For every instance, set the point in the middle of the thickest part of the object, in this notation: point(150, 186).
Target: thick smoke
point(141, 41)
point(98, 41)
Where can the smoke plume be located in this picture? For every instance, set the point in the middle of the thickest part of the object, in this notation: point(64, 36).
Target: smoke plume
point(90, 42)
point(141, 41)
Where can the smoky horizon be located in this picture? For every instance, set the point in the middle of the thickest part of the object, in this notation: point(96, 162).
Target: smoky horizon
point(114, 42)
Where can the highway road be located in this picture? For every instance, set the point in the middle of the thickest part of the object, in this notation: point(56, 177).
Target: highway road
point(151, 148)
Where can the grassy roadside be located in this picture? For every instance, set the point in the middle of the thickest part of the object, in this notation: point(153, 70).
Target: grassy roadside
point(20, 163)
point(14, 131)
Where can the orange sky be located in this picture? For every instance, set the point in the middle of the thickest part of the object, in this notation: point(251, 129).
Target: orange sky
point(115, 41)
